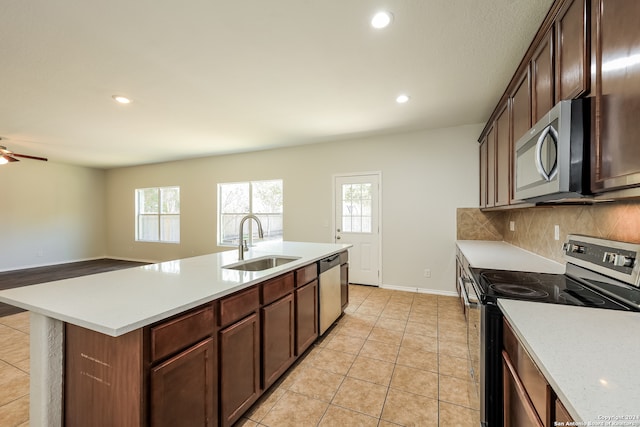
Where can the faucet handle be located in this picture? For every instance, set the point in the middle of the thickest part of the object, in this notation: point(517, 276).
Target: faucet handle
point(244, 245)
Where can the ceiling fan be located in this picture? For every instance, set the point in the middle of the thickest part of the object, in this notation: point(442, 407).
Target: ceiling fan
point(7, 156)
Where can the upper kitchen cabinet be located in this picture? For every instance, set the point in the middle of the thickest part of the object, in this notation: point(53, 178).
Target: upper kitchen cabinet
point(503, 158)
point(572, 50)
point(616, 89)
point(483, 173)
point(542, 78)
point(554, 68)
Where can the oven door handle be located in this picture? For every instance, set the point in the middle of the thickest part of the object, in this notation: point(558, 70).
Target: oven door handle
point(463, 290)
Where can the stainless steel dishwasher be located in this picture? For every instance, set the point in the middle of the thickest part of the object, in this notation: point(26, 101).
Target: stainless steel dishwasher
point(330, 302)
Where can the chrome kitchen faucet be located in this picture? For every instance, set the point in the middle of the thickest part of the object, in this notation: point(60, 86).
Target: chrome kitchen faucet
point(241, 241)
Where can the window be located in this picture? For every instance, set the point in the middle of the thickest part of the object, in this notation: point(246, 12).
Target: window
point(261, 198)
point(356, 208)
point(158, 214)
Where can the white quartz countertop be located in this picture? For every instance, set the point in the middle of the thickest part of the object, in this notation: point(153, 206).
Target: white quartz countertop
point(118, 302)
point(499, 255)
point(588, 355)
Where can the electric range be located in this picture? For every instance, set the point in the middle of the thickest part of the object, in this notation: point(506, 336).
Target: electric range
point(599, 273)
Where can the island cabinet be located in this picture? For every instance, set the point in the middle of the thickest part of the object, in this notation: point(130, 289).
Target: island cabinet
point(239, 366)
point(344, 279)
point(616, 94)
point(278, 327)
point(528, 398)
point(107, 378)
point(306, 311)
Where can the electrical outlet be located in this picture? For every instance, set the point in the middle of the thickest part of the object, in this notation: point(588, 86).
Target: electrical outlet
point(427, 272)
point(512, 225)
point(556, 232)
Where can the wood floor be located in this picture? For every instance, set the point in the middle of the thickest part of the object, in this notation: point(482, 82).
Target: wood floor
point(32, 276)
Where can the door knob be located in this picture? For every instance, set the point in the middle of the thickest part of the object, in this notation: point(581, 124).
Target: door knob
point(337, 237)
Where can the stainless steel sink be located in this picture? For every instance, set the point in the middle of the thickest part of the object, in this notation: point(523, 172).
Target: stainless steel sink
point(262, 263)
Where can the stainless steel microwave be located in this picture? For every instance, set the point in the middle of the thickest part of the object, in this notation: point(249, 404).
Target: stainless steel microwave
point(551, 159)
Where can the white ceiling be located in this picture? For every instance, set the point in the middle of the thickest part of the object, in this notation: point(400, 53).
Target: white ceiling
point(211, 77)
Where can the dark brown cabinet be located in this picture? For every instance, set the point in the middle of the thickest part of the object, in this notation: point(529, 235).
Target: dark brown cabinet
point(521, 107)
point(306, 316)
point(572, 50)
point(616, 84)
point(182, 389)
point(528, 398)
point(491, 168)
point(503, 158)
point(518, 409)
point(483, 173)
point(278, 331)
point(239, 368)
point(344, 285)
point(542, 78)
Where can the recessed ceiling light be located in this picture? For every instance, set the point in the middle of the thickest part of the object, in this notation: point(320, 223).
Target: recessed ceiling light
point(402, 99)
point(381, 20)
point(121, 99)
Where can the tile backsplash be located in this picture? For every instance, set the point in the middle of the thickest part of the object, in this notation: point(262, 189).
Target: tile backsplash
point(534, 227)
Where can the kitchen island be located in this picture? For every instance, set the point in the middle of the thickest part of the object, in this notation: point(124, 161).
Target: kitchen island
point(587, 355)
point(131, 318)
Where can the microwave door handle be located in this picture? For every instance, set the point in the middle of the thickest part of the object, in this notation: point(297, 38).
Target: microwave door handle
point(554, 170)
point(554, 137)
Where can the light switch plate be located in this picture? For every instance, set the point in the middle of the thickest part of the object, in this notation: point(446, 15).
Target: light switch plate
point(512, 225)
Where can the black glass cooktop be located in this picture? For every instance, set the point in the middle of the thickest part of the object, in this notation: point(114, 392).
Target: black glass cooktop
point(541, 287)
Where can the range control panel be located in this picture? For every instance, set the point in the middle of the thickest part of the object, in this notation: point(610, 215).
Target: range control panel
point(609, 257)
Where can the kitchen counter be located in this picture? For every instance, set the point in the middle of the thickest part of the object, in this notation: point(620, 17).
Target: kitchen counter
point(587, 355)
point(498, 255)
point(118, 302)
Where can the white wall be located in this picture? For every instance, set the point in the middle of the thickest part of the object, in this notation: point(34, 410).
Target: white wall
point(425, 175)
point(50, 213)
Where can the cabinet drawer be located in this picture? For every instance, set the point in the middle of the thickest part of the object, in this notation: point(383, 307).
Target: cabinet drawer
point(176, 334)
point(306, 274)
point(236, 306)
point(277, 288)
point(533, 381)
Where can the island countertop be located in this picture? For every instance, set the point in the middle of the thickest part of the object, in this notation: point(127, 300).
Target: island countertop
point(118, 302)
point(588, 356)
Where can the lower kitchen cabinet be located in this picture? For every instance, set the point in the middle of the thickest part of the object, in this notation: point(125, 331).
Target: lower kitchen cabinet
point(306, 316)
point(239, 368)
point(278, 331)
point(344, 279)
point(182, 389)
point(528, 398)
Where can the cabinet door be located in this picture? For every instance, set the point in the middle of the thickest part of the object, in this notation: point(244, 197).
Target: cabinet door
point(344, 285)
point(562, 415)
point(306, 316)
point(572, 50)
point(483, 173)
point(518, 409)
point(503, 157)
point(616, 151)
point(542, 78)
point(183, 389)
point(239, 368)
point(277, 339)
point(521, 108)
point(491, 167)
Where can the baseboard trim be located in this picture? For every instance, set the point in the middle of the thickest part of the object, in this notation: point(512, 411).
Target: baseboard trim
point(420, 290)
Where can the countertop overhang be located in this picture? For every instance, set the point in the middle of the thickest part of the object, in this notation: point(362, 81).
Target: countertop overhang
point(118, 302)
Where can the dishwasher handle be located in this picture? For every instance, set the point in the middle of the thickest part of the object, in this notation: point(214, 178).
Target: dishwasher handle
point(329, 262)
